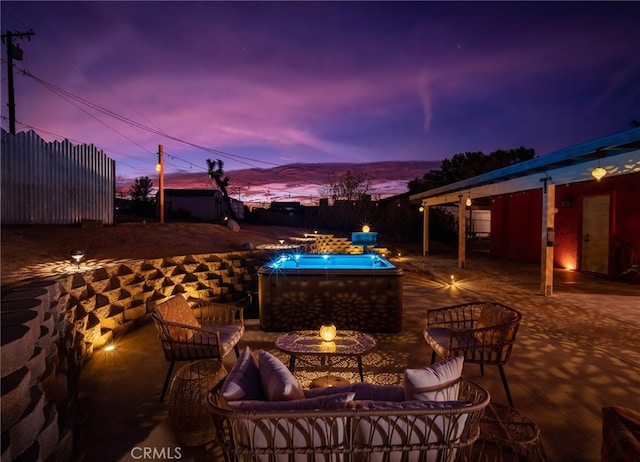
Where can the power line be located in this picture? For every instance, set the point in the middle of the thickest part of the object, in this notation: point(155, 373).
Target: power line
point(70, 96)
point(77, 100)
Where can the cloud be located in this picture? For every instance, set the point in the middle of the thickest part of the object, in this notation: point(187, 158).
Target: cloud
point(425, 98)
point(300, 182)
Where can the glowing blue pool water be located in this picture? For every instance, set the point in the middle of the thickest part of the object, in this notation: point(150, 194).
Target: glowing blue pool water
point(330, 261)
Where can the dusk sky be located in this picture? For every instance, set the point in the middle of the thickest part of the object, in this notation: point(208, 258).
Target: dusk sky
point(267, 84)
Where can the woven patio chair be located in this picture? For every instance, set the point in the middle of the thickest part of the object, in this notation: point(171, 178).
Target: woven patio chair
point(209, 331)
point(482, 332)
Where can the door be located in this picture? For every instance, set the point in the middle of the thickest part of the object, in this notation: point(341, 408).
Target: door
point(595, 234)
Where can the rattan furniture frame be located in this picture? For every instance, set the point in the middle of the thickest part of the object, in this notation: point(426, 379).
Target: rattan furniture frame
point(221, 326)
point(187, 401)
point(467, 330)
point(446, 434)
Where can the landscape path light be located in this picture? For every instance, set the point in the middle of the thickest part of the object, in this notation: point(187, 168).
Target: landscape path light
point(77, 256)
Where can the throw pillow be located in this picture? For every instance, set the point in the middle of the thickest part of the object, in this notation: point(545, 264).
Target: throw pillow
point(437, 382)
point(494, 316)
point(243, 381)
point(329, 402)
point(278, 383)
point(177, 309)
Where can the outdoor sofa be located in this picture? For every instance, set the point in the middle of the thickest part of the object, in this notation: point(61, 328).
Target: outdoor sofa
point(261, 413)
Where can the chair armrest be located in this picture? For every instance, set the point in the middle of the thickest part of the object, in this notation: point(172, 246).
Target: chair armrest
point(211, 314)
point(188, 334)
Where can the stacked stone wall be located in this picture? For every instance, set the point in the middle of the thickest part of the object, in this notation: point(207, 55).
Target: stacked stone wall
point(51, 327)
point(328, 243)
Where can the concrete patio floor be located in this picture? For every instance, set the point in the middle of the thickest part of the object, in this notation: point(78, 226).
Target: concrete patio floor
point(577, 351)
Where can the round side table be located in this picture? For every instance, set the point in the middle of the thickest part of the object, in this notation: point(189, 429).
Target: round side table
point(187, 402)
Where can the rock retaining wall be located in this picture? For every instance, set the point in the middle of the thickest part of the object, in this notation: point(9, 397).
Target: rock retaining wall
point(51, 327)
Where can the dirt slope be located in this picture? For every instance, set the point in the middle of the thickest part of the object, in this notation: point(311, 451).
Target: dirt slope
point(29, 251)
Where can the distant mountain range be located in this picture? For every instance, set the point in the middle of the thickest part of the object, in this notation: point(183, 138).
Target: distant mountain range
point(300, 182)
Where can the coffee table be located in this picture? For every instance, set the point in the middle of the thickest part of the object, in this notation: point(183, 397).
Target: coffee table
point(309, 342)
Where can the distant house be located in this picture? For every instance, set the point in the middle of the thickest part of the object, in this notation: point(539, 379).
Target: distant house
point(199, 204)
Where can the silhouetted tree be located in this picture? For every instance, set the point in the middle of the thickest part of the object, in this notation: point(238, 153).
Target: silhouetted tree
point(140, 195)
point(216, 171)
point(351, 205)
point(467, 165)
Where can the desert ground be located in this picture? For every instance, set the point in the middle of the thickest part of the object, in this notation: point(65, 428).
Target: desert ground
point(29, 252)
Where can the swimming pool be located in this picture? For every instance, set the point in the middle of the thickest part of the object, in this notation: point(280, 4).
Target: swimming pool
point(329, 261)
point(303, 291)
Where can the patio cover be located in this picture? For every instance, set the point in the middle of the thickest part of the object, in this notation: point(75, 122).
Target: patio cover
point(618, 154)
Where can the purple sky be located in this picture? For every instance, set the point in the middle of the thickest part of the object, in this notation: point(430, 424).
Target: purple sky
point(266, 84)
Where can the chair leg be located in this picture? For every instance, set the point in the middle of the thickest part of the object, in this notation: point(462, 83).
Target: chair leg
point(237, 350)
point(506, 385)
point(482, 369)
point(166, 380)
point(433, 356)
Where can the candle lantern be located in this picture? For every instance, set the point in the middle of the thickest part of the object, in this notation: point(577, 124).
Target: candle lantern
point(328, 332)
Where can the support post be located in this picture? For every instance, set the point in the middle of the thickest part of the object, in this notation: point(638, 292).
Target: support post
point(425, 230)
point(547, 237)
point(161, 180)
point(462, 231)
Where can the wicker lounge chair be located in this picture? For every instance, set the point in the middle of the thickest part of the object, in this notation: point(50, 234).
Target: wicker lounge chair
point(206, 332)
point(482, 332)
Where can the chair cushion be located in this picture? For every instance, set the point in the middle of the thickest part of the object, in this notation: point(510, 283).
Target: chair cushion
point(230, 335)
point(363, 391)
point(243, 381)
point(278, 383)
point(384, 405)
point(413, 429)
point(328, 402)
point(176, 309)
point(438, 340)
point(434, 383)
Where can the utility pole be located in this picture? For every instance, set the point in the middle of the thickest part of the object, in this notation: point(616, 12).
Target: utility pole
point(160, 169)
point(13, 52)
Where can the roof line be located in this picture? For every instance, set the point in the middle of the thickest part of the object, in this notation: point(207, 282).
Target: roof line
point(594, 149)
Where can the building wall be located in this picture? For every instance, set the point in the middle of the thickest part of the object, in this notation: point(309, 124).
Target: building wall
point(516, 220)
point(515, 226)
point(206, 208)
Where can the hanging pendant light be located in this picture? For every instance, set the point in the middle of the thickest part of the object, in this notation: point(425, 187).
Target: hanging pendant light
point(598, 173)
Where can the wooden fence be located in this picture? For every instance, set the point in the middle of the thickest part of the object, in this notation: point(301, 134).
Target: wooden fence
point(55, 182)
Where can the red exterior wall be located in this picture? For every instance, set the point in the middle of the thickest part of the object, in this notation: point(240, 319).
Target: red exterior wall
point(516, 220)
point(515, 226)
